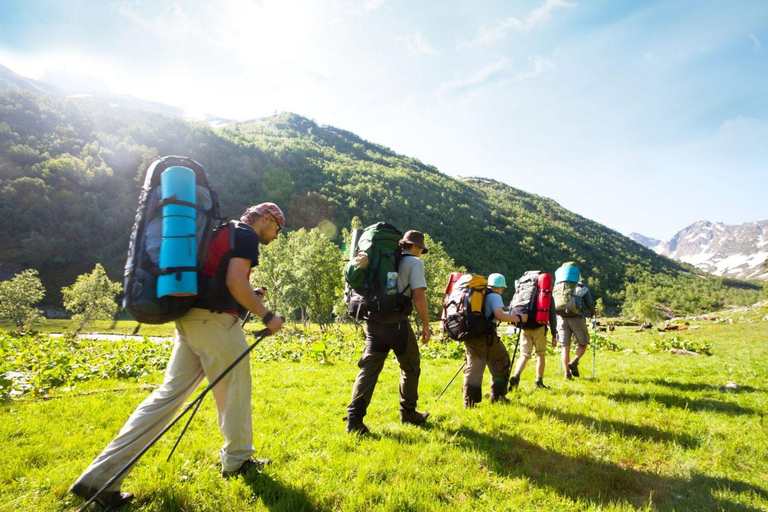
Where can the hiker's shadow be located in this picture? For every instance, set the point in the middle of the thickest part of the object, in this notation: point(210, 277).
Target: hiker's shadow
point(605, 484)
point(694, 405)
point(644, 432)
point(278, 497)
point(697, 386)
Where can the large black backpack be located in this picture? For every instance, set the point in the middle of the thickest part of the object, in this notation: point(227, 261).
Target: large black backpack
point(142, 268)
point(373, 291)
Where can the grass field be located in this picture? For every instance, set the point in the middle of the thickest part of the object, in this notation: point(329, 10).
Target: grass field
point(652, 431)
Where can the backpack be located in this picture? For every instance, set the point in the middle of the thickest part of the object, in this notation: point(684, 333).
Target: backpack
point(214, 294)
point(464, 309)
point(568, 294)
point(452, 279)
point(533, 294)
point(143, 266)
point(373, 291)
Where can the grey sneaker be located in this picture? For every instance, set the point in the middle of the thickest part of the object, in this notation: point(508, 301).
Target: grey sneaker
point(249, 465)
point(514, 381)
point(539, 384)
point(109, 499)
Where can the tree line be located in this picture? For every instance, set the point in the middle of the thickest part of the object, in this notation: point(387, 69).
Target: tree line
point(70, 175)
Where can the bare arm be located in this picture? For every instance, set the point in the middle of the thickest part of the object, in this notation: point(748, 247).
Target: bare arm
point(240, 288)
point(501, 316)
point(419, 296)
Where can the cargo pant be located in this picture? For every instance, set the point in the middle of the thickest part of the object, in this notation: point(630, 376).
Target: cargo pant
point(379, 340)
point(482, 352)
point(206, 344)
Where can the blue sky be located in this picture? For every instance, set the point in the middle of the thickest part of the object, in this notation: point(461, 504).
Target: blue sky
point(645, 116)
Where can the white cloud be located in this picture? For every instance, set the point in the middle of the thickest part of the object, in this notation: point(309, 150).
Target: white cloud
point(755, 43)
point(418, 44)
point(360, 8)
point(535, 18)
point(498, 70)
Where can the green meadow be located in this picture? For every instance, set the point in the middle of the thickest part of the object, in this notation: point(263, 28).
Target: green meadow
point(650, 431)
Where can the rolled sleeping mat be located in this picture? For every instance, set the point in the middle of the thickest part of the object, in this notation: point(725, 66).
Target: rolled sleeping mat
point(178, 248)
point(568, 273)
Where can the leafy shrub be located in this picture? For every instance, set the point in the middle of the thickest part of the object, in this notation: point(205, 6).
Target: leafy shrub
point(663, 344)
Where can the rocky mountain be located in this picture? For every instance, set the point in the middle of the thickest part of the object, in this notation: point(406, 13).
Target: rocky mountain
point(731, 251)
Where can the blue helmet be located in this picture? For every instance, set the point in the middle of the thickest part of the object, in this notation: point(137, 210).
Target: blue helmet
point(497, 280)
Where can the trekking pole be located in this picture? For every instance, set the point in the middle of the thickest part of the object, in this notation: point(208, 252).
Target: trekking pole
point(594, 344)
point(454, 378)
point(195, 403)
point(199, 399)
point(514, 352)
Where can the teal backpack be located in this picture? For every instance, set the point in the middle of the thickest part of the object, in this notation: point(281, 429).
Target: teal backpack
point(373, 291)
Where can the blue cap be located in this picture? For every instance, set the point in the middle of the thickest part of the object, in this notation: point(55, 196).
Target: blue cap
point(497, 280)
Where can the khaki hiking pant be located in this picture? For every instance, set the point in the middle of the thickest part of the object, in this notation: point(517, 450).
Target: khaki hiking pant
point(206, 344)
point(572, 325)
point(380, 338)
point(482, 352)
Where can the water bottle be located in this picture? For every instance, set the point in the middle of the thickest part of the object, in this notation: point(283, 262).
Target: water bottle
point(391, 283)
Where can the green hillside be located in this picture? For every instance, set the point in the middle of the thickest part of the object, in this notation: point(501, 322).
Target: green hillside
point(70, 172)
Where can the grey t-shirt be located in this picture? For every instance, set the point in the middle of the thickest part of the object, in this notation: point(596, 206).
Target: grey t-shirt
point(410, 271)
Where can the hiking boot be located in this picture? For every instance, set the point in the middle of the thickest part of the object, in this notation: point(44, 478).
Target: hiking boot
point(108, 499)
point(514, 381)
point(249, 465)
point(413, 417)
point(574, 367)
point(356, 427)
point(568, 375)
point(540, 385)
point(498, 399)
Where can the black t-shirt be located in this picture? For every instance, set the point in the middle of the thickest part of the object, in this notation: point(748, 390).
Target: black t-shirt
point(214, 293)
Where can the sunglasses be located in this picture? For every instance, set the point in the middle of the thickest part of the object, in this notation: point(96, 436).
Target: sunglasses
point(279, 227)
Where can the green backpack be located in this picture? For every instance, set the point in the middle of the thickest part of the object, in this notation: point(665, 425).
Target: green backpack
point(569, 298)
point(373, 291)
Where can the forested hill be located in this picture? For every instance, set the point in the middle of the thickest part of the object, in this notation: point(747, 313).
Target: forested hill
point(70, 173)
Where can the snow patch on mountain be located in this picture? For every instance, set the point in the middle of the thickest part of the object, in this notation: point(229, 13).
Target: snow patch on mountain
point(731, 251)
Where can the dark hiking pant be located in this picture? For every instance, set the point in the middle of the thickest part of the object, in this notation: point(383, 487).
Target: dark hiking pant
point(379, 340)
point(482, 352)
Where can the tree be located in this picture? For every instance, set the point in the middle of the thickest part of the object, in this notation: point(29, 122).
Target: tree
point(302, 274)
point(92, 297)
point(646, 310)
point(18, 295)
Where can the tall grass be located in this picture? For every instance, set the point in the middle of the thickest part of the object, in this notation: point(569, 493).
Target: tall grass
point(651, 431)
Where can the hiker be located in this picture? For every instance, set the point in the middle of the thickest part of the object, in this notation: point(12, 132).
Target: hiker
point(488, 350)
point(399, 337)
point(535, 338)
point(208, 340)
point(573, 302)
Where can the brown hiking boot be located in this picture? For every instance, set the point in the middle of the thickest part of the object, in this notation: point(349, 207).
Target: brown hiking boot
point(356, 427)
point(108, 499)
point(413, 417)
point(249, 465)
